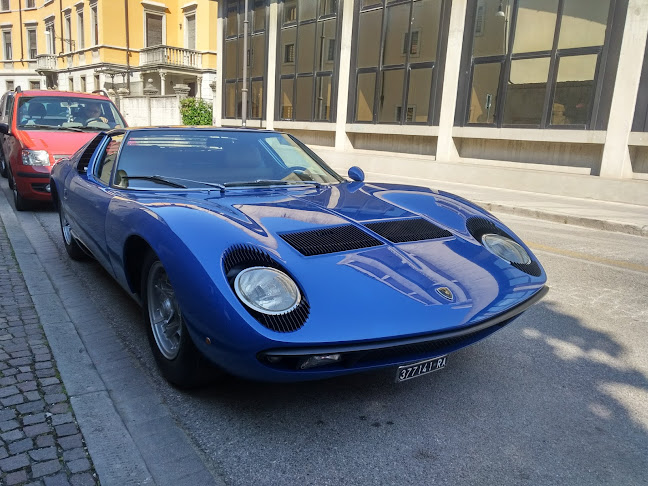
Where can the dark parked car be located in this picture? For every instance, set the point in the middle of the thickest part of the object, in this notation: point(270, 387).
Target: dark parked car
point(251, 256)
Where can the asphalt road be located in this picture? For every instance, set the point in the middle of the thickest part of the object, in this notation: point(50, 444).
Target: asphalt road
point(558, 397)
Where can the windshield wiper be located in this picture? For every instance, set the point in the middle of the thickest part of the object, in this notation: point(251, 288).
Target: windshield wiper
point(50, 127)
point(210, 184)
point(269, 182)
point(155, 178)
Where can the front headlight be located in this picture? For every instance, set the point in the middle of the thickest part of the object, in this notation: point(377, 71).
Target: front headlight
point(506, 249)
point(35, 157)
point(267, 290)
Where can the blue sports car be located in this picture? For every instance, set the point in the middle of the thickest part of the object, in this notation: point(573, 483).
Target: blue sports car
point(249, 255)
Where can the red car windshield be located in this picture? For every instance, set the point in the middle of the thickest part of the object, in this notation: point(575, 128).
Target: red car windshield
point(63, 112)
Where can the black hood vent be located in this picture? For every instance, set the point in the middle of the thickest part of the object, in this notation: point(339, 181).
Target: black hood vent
point(330, 240)
point(405, 230)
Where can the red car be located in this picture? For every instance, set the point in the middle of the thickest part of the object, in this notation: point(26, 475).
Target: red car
point(37, 128)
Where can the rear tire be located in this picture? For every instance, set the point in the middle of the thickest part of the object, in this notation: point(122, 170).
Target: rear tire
point(176, 355)
point(72, 247)
point(3, 164)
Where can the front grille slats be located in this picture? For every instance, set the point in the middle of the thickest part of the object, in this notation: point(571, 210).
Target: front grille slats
point(404, 230)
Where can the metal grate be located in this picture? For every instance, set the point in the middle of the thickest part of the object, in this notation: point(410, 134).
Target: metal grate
point(405, 230)
point(240, 257)
point(330, 240)
point(479, 227)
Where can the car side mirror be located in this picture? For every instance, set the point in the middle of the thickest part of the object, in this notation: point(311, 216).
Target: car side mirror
point(82, 167)
point(4, 128)
point(356, 174)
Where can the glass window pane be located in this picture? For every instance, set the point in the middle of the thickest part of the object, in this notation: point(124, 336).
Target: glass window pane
point(365, 97)
point(391, 96)
point(398, 21)
point(325, 45)
point(328, 7)
point(426, 17)
point(306, 10)
point(526, 91)
point(231, 53)
point(259, 16)
point(257, 55)
point(289, 11)
point(574, 90)
point(418, 94)
point(288, 51)
point(536, 24)
point(286, 100)
point(256, 99)
point(323, 92)
point(232, 13)
point(492, 28)
point(368, 38)
point(304, 98)
point(230, 100)
point(483, 95)
point(583, 23)
point(305, 48)
point(369, 3)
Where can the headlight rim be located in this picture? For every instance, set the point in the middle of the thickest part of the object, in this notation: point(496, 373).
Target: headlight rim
point(255, 307)
point(508, 240)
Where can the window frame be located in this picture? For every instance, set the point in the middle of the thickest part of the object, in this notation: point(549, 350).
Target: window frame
point(7, 47)
point(80, 27)
point(29, 29)
point(554, 55)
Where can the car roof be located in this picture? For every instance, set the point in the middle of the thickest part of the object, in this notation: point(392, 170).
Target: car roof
point(43, 92)
point(193, 128)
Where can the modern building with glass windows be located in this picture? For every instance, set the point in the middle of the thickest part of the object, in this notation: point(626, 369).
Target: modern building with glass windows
point(529, 88)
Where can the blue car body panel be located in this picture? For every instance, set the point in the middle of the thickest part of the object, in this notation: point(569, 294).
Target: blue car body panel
point(385, 293)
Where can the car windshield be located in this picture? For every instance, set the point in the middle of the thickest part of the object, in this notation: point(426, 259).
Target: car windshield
point(211, 158)
point(67, 113)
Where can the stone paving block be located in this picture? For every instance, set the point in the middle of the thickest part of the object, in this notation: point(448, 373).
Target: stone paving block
point(50, 389)
point(74, 454)
point(7, 414)
point(37, 429)
point(22, 445)
point(60, 408)
point(49, 381)
point(45, 373)
point(45, 468)
point(78, 465)
point(71, 441)
point(42, 365)
point(83, 479)
point(18, 477)
point(55, 398)
point(62, 418)
point(12, 435)
point(58, 480)
point(34, 419)
point(32, 395)
point(8, 425)
point(7, 380)
point(13, 463)
point(12, 400)
point(31, 407)
point(43, 454)
point(66, 429)
point(45, 441)
point(26, 386)
point(3, 452)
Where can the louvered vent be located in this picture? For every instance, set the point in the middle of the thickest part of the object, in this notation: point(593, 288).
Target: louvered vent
point(330, 240)
point(479, 227)
point(405, 230)
point(240, 257)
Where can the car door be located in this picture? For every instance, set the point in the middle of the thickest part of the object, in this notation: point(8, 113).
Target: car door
point(88, 195)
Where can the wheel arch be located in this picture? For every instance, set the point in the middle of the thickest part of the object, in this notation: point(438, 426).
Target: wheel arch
point(135, 250)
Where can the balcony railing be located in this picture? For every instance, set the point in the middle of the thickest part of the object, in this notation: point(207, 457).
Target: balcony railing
point(46, 62)
point(170, 56)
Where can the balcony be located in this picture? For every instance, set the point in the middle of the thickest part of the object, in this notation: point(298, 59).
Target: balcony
point(170, 57)
point(46, 63)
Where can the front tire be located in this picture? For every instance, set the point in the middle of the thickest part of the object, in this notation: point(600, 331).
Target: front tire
point(72, 247)
point(176, 355)
point(19, 202)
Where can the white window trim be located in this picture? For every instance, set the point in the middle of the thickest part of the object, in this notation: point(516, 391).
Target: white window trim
point(29, 26)
point(158, 13)
point(80, 13)
point(4, 30)
point(94, 19)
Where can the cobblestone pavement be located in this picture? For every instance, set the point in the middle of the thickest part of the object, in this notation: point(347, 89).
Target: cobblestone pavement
point(40, 441)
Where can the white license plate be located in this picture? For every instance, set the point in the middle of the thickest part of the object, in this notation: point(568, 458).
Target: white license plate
point(421, 368)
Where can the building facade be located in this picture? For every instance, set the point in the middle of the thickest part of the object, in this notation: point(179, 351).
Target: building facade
point(555, 86)
point(84, 45)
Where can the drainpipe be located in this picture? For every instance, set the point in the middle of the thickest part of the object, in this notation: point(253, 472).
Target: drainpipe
point(244, 90)
point(22, 49)
point(62, 32)
point(127, 48)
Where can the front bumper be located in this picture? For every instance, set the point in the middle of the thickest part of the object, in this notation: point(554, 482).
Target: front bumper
point(33, 185)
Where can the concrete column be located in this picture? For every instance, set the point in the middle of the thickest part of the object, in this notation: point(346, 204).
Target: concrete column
point(616, 163)
point(446, 148)
point(342, 141)
point(217, 117)
point(199, 80)
point(271, 75)
point(162, 83)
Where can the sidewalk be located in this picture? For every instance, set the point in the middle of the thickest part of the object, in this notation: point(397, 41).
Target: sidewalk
point(39, 436)
point(610, 216)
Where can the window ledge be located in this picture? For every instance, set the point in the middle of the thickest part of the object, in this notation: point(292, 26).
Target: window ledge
point(638, 138)
point(312, 126)
point(531, 134)
point(417, 130)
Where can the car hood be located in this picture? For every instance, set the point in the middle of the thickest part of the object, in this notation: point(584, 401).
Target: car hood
point(55, 142)
point(438, 284)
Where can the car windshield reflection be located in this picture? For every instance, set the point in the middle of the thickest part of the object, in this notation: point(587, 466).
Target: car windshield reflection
point(217, 159)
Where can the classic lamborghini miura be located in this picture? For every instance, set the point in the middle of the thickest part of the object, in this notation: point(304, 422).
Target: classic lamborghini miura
point(250, 256)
